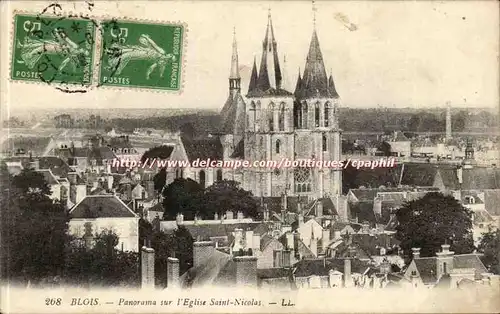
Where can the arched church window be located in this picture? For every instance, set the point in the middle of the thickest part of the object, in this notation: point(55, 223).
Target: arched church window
point(303, 109)
point(325, 147)
point(270, 114)
point(202, 178)
point(281, 117)
point(316, 114)
point(278, 144)
point(327, 114)
point(302, 178)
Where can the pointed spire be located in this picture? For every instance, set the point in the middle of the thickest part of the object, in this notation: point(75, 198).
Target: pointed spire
point(235, 73)
point(284, 76)
point(253, 78)
point(270, 73)
point(315, 81)
point(331, 86)
point(298, 86)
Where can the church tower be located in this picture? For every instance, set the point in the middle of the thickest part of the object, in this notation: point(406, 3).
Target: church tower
point(270, 124)
point(233, 113)
point(317, 128)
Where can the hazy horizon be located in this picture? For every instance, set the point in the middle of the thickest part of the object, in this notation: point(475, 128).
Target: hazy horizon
point(381, 54)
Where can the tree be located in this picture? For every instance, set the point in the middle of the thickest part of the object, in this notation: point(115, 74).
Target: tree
point(433, 220)
point(160, 179)
point(226, 195)
point(101, 265)
point(33, 226)
point(489, 245)
point(385, 148)
point(182, 196)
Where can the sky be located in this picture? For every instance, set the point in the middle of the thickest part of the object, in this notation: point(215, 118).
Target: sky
point(389, 53)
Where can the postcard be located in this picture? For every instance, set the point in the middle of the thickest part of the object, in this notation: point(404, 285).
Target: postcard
point(249, 156)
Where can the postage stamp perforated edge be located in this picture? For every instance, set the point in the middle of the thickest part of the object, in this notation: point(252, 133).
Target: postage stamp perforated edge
point(97, 51)
point(184, 46)
point(11, 49)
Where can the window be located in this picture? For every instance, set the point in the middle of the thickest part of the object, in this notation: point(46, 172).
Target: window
point(316, 114)
point(219, 175)
point(325, 147)
point(202, 178)
point(327, 114)
point(278, 144)
point(413, 272)
point(302, 177)
point(281, 117)
point(270, 114)
point(303, 115)
point(445, 268)
point(179, 173)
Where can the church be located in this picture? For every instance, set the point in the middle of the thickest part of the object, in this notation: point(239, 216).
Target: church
point(271, 123)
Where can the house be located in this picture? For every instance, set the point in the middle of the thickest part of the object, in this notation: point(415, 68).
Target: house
point(447, 269)
point(26, 146)
point(400, 144)
point(96, 213)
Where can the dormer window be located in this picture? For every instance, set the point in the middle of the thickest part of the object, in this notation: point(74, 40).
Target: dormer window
point(470, 199)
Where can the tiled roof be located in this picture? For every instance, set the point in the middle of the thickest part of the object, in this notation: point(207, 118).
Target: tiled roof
point(101, 206)
point(427, 269)
point(203, 148)
point(57, 165)
point(274, 202)
point(267, 273)
point(233, 115)
point(37, 145)
point(303, 250)
point(219, 269)
point(470, 261)
point(265, 241)
point(269, 92)
point(419, 174)
point(204, 232)
point(399, 137)
point(321, 267)
point(479, 178)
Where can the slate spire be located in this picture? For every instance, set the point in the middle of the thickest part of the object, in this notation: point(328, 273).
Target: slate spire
point(270, 72)
point(253, 78)
point(234, 74)
point(315, 81)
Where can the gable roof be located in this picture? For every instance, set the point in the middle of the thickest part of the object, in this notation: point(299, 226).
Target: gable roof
point(101, 206)
point(203, 148)
point(204, 232)
point(233, 115)
point(321, 267)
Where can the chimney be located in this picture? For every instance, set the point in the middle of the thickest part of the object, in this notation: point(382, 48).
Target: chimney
point(72, 178)
point(266, 213)
point(325, 239)
point(290, 241)
point(150, 188)
point(147, 267)
point(415, 252)
point(385, 267)
point(202, 251)
point(229, 215)
point(179, 218)
point(301, 220)
point(460, 175)
point(246, 271)
point(129, 191)
point(256, 243)
point(287, 258)
point(347, 273)
point(377, 207)
point(444, 260)
point(284, 201)
point(172, 272)
point(248, 239)
point(216, 216)
point(110, 182)
point(319, 208)
point(239, 215)
point(238, 240)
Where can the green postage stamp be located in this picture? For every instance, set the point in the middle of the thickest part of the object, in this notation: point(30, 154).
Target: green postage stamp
point(143, 55)
point(53, 49)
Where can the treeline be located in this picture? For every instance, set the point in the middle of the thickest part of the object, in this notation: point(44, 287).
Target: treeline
point(202, 123)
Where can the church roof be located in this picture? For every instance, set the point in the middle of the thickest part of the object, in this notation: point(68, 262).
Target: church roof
point(202, 148)
point(315, 81)
point(253, 78)
point(233, 114)
point(234, 73)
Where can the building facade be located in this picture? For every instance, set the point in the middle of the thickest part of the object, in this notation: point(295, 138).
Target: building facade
point(272, 123)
